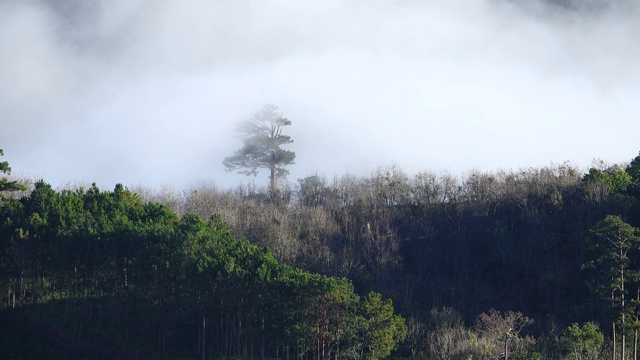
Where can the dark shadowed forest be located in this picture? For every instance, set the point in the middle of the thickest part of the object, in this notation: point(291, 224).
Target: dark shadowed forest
point(539, 263)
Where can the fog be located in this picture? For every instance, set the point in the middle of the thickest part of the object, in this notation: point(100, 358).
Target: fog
point(147, 91)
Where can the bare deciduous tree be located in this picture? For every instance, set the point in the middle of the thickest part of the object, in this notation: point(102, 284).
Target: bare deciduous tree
point(502, 328)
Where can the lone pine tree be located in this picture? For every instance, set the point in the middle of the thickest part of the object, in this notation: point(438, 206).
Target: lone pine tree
point(262, 146)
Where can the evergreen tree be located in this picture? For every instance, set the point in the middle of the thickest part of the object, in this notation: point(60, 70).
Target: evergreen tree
point(263, 140)
point(5, 184)
point(582, 342)
point(382, 329)
point(612, 240)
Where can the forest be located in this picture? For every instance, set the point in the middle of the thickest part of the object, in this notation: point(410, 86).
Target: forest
point(538, 263)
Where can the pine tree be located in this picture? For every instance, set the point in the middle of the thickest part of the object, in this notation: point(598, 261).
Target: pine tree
point(5, 184)
point(263, 140)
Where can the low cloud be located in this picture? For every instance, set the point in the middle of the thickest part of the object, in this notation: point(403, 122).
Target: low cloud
point(148, 91)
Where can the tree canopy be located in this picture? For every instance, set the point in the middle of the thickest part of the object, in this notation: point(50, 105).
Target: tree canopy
point(262, 145)
point(102, 264)
point(554, 244)
point(5, 184)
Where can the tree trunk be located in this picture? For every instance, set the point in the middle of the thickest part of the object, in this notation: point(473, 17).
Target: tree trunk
point(199, 339)
point(622, 313)
point(22, 288)
point(613, 343)
point(262, 342)
point(33, 288)
point(272, 176)
point(204, 336)
point(635, 327)
point(635, 343)
point(613, 326)
point(338, 346)
point(506, 347)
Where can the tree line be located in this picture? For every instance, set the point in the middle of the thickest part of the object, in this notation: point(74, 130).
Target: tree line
point(510, 264)
point(519, 241)
point(104, 267)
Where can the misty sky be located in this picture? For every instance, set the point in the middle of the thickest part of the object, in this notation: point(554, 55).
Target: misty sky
point(147, 91)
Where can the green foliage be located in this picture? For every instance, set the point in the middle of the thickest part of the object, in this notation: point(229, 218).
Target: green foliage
point(5, 184)
point(382, 329)
point(104, 266)
point(634, 169)
point(613, 238)
point(582, 342)
point(614, 178)
point(610, 242)
point(262, 145)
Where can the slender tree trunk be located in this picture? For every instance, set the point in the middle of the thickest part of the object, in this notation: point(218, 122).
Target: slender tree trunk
point(506, 347)
point(33, 287)
point(198, 346)
point(635, 327)
point(262, 342)
point(635, 342)
point(204, 337)
point(227, 343)
point(338, 345)
point(239, 340)
point(613, 326)
point(622, 315)
point(613, 353)
point(221, 348)
point(272, 177)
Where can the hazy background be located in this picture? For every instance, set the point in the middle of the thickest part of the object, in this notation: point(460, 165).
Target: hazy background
point(147, 91)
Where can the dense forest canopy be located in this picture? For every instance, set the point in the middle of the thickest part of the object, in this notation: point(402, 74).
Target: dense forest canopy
point(103, 264)
point(538, 263)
